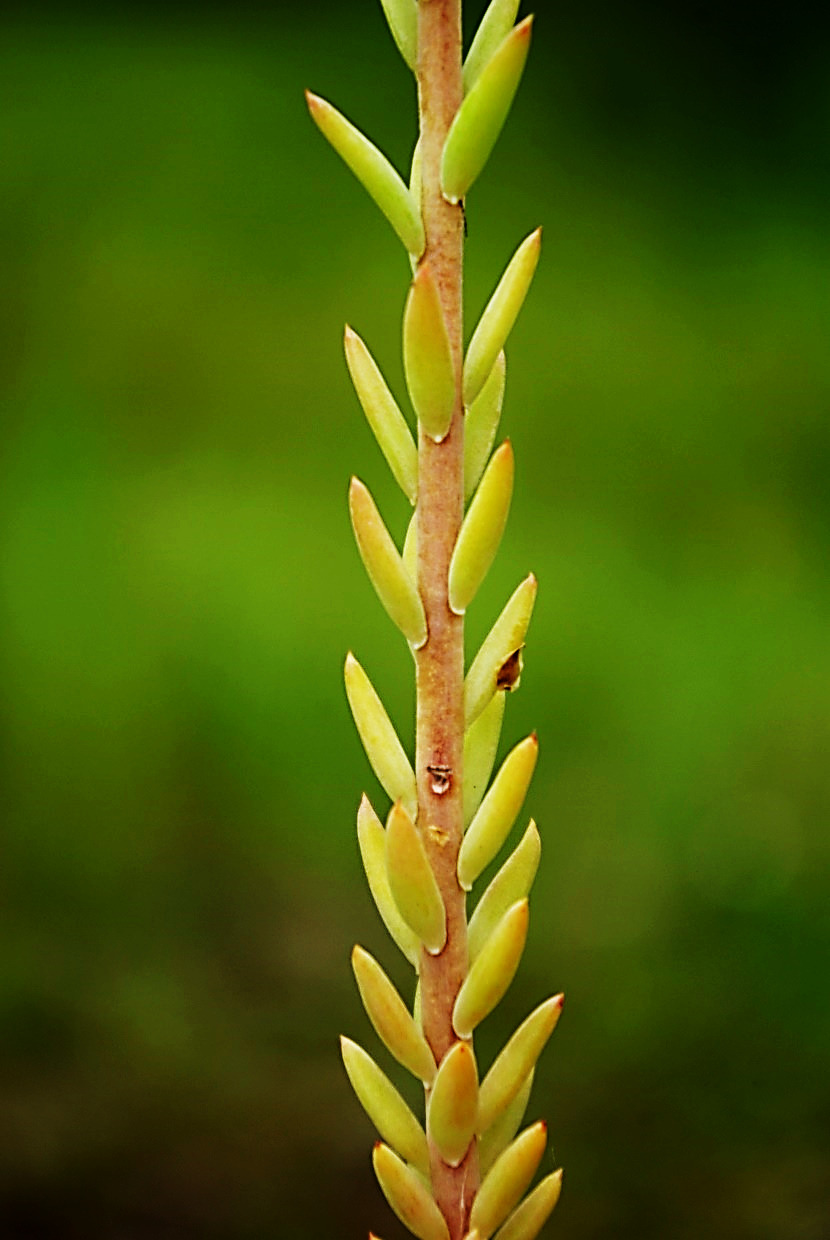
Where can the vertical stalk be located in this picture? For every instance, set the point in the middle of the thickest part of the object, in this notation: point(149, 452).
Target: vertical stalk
point(440, 663)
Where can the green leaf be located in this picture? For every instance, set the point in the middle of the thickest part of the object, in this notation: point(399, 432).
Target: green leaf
point(507, 1180)
point(498, 663)
point(481, 421)
point(528, 1219)
point(493, 29)
point(373, 170)
point(371, 839)
point(402, 18)
point(383, 414)
point(385, 1106)
point(387, 573)
point(497, 812)
point(427, 356)
point(480, 119)
point(493, 971)
point(499, 315)
point(512, 883)
point(499, 1135)
point(510, 1068)
point(380, 740)
point(408, 1196)
point(482, 530)
point(392, 1022)
point(452, 1110)
point(481, 741)
point(412, 881)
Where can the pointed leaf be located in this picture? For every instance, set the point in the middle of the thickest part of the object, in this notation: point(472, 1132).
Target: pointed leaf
point(452, 1110)
point(482, 529)
point(481, 422)
point(498, 662)
point(499, 315)
point(499, 1135)
point(519, 1056)
point(481, 742)
point(508, 1179)
point(385, 1106)
point(383, 415)
point(512, 883)
point(402, 18)
point(493, 29)
point(497, 812)
point(427, 357)
point(382, 561)
point(392, 1022)
point(408, 1196)
point(373, 170)
point(371, 838)
point(479, 120)
point(528, 1219)
point(380, 740)
point(412, 881)
point(493, 971)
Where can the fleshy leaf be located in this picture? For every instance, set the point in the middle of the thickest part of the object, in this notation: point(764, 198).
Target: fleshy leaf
point(427, 357)
point(371, 839)
point(383, 415)
point(452, 1110)
point(508, 1179)
point(481, 422)
point(482, 529)
point(498, 662)
point(528, 1219)
point(481, 741)
point(493, 29)
point(493, 971)
point(408, 1196)
point(380, 740)
point(499, 1135)
point(512, 883)
point(499, 315)
point(373, 170)
point(479, 120)
point(392, 1022)
point(384, 1105)
point(510, 1068)
point(382, 561)
point(402, 19)
point(412, 881)
point(498, 811)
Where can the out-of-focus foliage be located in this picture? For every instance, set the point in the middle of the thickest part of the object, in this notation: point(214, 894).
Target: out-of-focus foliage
point(181, 883)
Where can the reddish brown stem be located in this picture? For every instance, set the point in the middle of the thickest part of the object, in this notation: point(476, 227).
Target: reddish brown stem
point(440, 663)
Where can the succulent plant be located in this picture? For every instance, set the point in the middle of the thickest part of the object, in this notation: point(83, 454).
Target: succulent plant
point(464, 1172)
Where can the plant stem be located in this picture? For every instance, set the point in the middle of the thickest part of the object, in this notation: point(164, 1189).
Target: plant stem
point(440, 663)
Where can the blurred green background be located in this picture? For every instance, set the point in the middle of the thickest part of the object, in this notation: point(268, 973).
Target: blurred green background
point(181, 886)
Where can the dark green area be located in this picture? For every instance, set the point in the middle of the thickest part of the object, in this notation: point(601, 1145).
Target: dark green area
point(181, 886)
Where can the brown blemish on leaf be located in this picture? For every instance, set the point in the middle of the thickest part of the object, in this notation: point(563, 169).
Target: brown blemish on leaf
point(441, 781)
point(510, 672)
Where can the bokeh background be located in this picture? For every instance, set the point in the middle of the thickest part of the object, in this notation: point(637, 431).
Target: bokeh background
point(180, 883)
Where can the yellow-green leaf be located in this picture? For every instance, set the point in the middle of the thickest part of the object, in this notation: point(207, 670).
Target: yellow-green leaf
point(499, 315)
point(392, 1022)
point(412, 881)
point(528, 1219)
point(481, 741)
point(511, 883)
point(493, 971)
point(383, 415)
point(481, 531)
point(509, 1070)
point(479, 120)
point(373, 170)
point(508, 1179)
point(384, 1105)
point(497, 812)
point(452, 1110)
point(408, 1196)
point(493, 29)
point(371, 839)
point(427, 357)
point(498, 1136)
point(498, 663)
point(387, 572)
point(481, 422)
point(380, 740)
point(402, 19)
